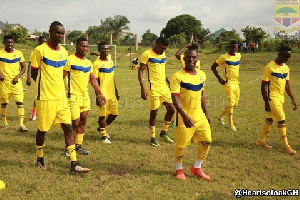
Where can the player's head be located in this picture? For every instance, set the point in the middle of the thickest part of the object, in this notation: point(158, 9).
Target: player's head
point(285, 53)
point(233, 46)
point(82, 47)
point(8, 42)
point(56, 32)
point(42, 40)
point(161, 45)
point(103, 49)
point(190, 59)
point(194, 46)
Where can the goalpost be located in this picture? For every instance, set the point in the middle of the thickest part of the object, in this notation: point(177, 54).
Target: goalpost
point(94, 45)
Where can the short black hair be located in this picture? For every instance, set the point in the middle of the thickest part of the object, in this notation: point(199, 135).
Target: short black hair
point(102, 43)
point(55, 23)
point(41, 37)
point(233, 42)
point(285, 48)
point(7, 37)
point(193, 47)
point(80, 39)
point(163, 40)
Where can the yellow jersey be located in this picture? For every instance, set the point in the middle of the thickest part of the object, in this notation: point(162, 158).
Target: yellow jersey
point(77, 80)
point(189, 89)
point(230, 66)
point(104, 71)
point(276, 75)
point(50, 62)
point(10, 63)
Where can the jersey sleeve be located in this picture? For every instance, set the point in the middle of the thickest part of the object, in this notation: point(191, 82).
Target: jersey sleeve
point(144, 58)
point(67, 67)
point(288, 74)
point(182, 61)
point(220, 60)
point(95, 69)
point(266, 74)
point(175, 84)
point(22, 57)
point(36, 58)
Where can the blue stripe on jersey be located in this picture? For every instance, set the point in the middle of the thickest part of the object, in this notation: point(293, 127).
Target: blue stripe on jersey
point(192, 87)
point(232, 62)
point(196, 67)
point(69, 85)
point(55, 64)
point(106, 70)
point(157, 60)
point(279, 75)
point(10, 61)
point(80, 68)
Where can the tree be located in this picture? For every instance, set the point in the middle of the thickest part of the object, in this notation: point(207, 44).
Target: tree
point(96, 34)
point(149, 37)
point(253, 34)
point(188, 25)
point(178, 39)
point(225, 38)
point(72, 36)
point(20, 34)
point(116, 26)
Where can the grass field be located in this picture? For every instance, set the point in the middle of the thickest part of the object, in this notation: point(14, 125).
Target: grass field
point(130, 168)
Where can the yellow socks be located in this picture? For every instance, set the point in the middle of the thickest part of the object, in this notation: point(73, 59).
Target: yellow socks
point(79, 138)
point(178, 154)
point(152, 131)
point(21, 114)
point(40, 150)
point(103, 132)
point(3, 114)
point(166, 126)
point(203, 149)
point(282, 132)
point(265, 130)
point(72, 152)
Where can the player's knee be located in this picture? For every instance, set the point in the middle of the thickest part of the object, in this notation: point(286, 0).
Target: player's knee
point(170, 108)
point(39, 132)
point(229, 109)
point(153, 113)
point(67, 128)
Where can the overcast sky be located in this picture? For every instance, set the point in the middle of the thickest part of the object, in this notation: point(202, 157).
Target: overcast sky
point(142, 14)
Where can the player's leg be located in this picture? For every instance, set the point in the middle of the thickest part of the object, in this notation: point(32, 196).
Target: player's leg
point(113, 110)
point(3, 115)
point(264, 132)
point(33, 111)
point(39, 145)
point(4, 99)
point(21, 113)
point(282, 132)
point(152, 122)
point(102, 122)
point(202, 137)
point(167, 121)
point(80, 132)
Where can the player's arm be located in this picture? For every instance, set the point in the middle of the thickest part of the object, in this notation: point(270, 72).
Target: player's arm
point(289, 92)
point(100, 98)
point(215, 71)
point(203, 106)
point(265, 94)
point(179, 52)
point(28, 80)
point(116, 90)
point(167, 80)
point(65, 73)
point(140, 77)
point(22, 71)
point(186, 119)
point(1, 76)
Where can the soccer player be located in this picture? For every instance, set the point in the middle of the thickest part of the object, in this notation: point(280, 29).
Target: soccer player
point(47, 62)
point(191, 117)
point(181, 57)
point(104, 72)
point(12, 67)
point(157, 91)
point(275, 81)
point(79, 73)
point(41, 40)
point(230, 63)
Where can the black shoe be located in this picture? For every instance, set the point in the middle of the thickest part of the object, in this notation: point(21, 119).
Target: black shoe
point(153, 142)
point(80, 150)
point(40, 163)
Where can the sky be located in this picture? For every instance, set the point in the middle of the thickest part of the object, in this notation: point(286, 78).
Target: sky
point(143, 15)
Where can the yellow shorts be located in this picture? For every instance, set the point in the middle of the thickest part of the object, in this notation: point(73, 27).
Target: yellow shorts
point(79, 104)
point(52, 112)
point(7, 89)
point(199, 133)
point(156, 98)
point(232, 94)
point(276, 113)
point(111, 107)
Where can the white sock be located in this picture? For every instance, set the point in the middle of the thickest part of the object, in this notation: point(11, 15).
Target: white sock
point(198, 163)
point(179, 166)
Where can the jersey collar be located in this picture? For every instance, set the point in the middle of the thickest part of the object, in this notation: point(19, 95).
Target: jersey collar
point(191, 73)
point(279, 64)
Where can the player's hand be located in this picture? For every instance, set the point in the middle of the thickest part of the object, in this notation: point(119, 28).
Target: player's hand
point(101, 101)
point(294, 105)
point(208, 118)
point(15, 81)
point(1, 77)
point(187, 121)
point(28, 81)
point(267, 106)
point(117, 96)
point(188, 45)
point(221, 81)
point(144, 94)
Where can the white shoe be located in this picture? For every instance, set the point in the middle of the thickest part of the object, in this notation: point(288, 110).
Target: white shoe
point(221, 120)
point(233, 128)
point(108, 136)
point(106, 141)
